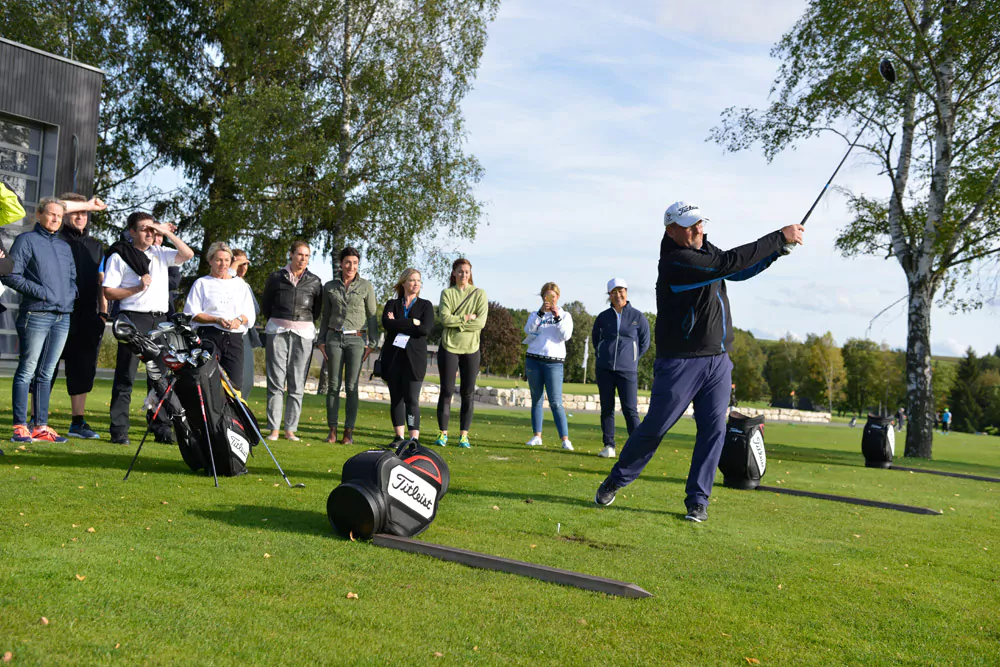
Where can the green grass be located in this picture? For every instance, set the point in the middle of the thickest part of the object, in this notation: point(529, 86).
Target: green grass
point(175, 570)
point(498, 382)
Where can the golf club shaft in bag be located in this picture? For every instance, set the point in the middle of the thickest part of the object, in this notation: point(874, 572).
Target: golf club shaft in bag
point(204, 420)
point(253, 423)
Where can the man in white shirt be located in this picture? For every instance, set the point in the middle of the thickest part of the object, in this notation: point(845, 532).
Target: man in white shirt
point(137, 276)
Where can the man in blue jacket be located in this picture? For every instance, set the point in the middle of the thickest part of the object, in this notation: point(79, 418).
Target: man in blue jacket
point(620, 337)
point(694, 332)
point(45, 274)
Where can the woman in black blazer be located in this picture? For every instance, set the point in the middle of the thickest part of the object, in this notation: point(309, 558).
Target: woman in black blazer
point(407, 320)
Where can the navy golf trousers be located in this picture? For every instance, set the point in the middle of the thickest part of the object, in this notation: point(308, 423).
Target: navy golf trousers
point(627, 386)
point(707, 382)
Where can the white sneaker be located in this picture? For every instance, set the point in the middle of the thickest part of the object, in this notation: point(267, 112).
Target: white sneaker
point(607, 453)
point(567, 445)
point(534, 442)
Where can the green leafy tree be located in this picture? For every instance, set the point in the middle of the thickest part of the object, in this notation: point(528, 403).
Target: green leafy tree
point(966, 408)
point(823, 366)
point(500, 342)
point(861, 369)
point(646, 361)
point(934, 135)
point(748, 367)
point(782, 370)
point(583, 323)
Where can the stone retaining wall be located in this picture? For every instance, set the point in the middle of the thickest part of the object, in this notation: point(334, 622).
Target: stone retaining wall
point(521, 398)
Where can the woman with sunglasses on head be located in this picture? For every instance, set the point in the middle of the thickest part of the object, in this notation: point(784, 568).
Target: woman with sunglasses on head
point(407, 319)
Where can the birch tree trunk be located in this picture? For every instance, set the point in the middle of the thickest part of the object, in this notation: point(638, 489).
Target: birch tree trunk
point(919, 376)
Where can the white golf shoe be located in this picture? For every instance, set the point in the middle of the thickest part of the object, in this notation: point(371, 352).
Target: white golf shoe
point(607, 453)
point(567, 445)
point(534, 442)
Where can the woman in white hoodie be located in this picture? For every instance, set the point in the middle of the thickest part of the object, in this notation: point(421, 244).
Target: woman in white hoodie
point(548, 330)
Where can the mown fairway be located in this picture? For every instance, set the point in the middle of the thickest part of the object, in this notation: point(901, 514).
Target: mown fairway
point(176, 571)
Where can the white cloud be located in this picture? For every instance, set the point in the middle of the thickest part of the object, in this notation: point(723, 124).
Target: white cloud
point(741, 21)
point(949, 347)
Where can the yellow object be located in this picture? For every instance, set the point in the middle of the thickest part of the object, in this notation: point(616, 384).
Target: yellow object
point(11, 209)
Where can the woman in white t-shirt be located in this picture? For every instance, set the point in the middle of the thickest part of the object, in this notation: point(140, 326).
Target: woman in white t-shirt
point(222, 309)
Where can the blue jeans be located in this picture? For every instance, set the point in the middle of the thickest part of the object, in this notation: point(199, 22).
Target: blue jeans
point(41, 336)
point(547, 376)
point(705, 381)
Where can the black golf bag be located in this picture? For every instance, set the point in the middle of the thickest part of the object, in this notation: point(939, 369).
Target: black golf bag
point(225, 427)
point(386, 491)
point(743, 460)
point(878, 442)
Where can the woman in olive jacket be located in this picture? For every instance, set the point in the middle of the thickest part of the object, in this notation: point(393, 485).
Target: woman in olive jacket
point(407, 319)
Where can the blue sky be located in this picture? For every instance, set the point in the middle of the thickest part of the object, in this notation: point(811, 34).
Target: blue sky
point(590, 118)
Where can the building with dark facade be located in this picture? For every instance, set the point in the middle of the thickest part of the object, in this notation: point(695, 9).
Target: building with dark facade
point(48, 139)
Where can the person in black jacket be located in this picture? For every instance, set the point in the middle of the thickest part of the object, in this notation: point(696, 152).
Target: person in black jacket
point(291, 303)
point(694, 330)
point(407, 320)
point(620, 337)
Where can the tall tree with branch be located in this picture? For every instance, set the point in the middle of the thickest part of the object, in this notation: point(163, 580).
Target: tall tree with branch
point(935, 136)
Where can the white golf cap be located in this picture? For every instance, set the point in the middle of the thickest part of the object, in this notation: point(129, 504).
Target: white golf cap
point(683, 214)
point(616, 282)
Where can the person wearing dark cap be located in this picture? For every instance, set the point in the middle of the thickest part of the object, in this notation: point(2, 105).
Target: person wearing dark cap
point(620, 337)
point(694, 331)
point(137, 275)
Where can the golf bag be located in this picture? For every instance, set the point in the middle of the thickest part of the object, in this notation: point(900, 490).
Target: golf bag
point(386, 491)
point(878, 442)
point(743, 459)
point(225, 428)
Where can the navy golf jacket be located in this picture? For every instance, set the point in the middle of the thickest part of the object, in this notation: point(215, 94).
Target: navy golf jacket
point(44, 272)
point(692, 309)
point(618, 347)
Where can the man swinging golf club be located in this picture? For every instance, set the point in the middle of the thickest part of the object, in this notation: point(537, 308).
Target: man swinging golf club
point(694, 332)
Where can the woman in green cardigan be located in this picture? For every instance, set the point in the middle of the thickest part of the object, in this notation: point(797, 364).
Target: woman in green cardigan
point(462, 311)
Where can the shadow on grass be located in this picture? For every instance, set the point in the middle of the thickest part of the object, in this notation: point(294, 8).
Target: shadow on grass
point(563, 500)
point(64, 459)
point(278, 519)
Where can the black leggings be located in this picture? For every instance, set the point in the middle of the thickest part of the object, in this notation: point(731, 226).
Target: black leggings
point(467, 365)
point(228, 349)
point(404, 397)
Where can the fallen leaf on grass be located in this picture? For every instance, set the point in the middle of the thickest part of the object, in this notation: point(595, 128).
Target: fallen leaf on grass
point(79, 487)
point(752, 661)
point(533, 546)
point(75, 525)
point(19, 467)
point(8, 656)
point(725, 634)
point(44, 621)
point(277, 484)
point(158, 558)
point(582, 621)
point(475, 648)
point(779, 587)
point(267, 555)
point(164, 502)
point(545, 474)
point(91, 530)
point(117, 645)
point(496, 507)
point(856, 535)
point(438, 654)
point(352, 596)
point(80, 577)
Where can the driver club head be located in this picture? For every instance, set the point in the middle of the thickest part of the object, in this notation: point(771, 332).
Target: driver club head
point(887, 71)
point(300, 485)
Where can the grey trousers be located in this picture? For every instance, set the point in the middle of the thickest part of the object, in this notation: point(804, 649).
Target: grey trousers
point(344, 354)
point(287, 355)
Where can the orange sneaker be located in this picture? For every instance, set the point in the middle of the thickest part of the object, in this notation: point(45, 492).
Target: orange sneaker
point(21, 433)
point(46, 434)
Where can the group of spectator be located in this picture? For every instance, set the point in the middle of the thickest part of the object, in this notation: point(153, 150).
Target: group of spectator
point(71, 286)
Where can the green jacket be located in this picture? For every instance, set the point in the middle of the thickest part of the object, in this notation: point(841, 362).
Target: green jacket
point(459, 336)
point(352, 309)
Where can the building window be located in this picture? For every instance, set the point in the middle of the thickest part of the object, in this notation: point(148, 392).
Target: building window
point(21, 159)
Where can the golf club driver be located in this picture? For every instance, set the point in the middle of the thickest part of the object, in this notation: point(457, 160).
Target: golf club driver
point(208, 436)
point(888, 73)
point(260, 436)
point(149, 427)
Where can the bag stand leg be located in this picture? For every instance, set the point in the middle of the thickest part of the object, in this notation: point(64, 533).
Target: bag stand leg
point(260, 437)
point(208, 435)
point(148, 427)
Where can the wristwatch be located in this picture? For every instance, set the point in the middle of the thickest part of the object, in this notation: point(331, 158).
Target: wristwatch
point(103, 316)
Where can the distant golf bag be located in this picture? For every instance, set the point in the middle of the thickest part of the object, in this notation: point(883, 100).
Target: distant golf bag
point(227, 431)
point(743, 460)
point(878, 443)
point(385, 491)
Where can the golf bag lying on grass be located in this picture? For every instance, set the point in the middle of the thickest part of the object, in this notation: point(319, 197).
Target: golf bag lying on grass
point(743, 460)
point(878, 442)
point(386, 491)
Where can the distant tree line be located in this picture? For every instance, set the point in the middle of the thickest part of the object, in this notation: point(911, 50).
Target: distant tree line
point(858, 378)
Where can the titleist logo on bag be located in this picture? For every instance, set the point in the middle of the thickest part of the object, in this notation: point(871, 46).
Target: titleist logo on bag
point(409, 489)
point(238, 445)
